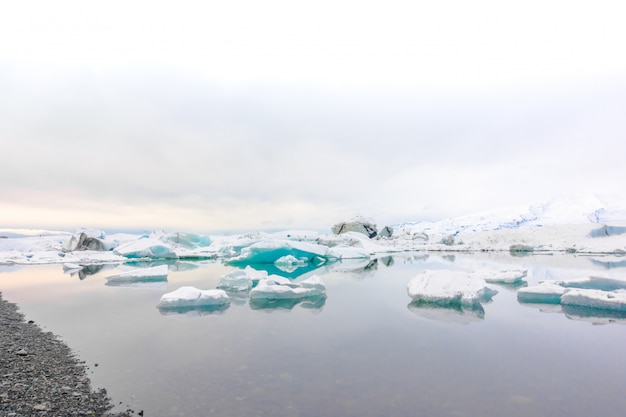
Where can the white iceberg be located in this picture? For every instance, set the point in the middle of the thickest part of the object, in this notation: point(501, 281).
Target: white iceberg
point(448, 287)
point(241, 280)
point(281, 288)
point(155, 273)
point(511, 276)
point(145, 248)
point(547, 292)
point(596, 299)
point(193, 297)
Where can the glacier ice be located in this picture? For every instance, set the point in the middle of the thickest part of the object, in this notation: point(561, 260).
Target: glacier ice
point(449, 287)
point(183, 239)
point(193, 297)
point(282, 288)
point(358, 224)
point(145, 248)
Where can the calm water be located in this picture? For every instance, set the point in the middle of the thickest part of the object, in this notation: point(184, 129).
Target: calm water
point(364, 351)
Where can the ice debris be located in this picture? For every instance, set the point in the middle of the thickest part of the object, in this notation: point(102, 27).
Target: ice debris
point(193, 297)
point(597, 299)
point(449, 287)
point(281, 288)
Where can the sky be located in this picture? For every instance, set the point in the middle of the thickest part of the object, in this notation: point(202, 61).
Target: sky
point(247, 115)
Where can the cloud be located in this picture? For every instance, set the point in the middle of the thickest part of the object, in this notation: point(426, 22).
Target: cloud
point(242, 116)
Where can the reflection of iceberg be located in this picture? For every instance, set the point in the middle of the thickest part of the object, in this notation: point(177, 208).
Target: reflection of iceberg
point(155, 273)
point(594, 315)
point(359, 266)
point(272, 269)
point(449, 314)
point(190, 298)
point(83, 271)
point(196, 311)
point(449, 287)
point(315, 303)
point(609, 263)
point(153, 285)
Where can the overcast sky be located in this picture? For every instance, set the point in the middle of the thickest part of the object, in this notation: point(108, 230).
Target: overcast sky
point(245, 115)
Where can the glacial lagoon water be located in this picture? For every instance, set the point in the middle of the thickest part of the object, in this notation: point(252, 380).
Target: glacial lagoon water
point(365, 350)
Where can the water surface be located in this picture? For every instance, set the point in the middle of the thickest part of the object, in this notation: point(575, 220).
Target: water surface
point(365, 350)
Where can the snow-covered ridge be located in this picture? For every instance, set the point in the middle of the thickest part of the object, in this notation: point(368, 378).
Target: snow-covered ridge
point(584, 225)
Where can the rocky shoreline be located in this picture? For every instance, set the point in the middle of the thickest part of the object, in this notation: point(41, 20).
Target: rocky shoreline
point(40, 376)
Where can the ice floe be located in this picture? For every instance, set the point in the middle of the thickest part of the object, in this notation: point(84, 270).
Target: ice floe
point(186, 297)
point(449, 287)
point(596, 299)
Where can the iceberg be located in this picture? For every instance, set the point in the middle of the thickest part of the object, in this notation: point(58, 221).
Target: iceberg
point(145, 248)
point(501, 277)
point(82, 241)
point(155, 273)
point(193, 297)
point(449, 287)
point(596, 299)
point(270, 250)
point(281, 288)
point(359, 225)
point(182, 239)
point(241, 280)
point(547, 292)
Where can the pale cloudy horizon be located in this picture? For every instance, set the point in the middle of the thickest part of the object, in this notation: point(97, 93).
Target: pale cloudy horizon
point(143, 115)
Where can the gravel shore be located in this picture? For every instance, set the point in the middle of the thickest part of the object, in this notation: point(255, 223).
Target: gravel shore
point(40, 376)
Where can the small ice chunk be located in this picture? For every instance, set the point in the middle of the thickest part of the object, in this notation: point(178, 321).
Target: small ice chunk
point(241, 280)
point(448, 287)
point(156, 273)
point(547, 292)
point(290, 260)
point(501, 277)
point(193, 297)
point(281, 288)
point(606, 300)
point(145, 248)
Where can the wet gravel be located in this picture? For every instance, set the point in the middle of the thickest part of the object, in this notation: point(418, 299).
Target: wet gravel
point(40, 376)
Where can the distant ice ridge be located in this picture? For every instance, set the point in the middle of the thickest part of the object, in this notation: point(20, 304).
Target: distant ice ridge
point(581, 225)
